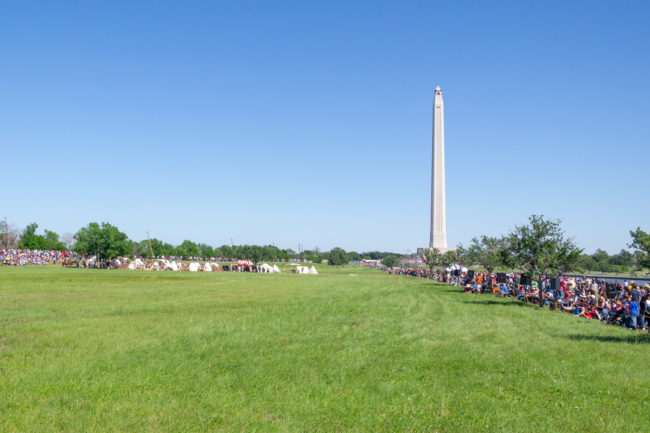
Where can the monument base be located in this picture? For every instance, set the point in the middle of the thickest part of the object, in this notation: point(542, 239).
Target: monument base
point(420, 251)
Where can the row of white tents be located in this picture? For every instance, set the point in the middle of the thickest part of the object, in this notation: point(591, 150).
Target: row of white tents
point(265, 268)
point(167, 265)
point(456, 267)
point(170, 265)
point(306, 270)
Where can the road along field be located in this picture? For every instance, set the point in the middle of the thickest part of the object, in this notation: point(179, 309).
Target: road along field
point(127, 351)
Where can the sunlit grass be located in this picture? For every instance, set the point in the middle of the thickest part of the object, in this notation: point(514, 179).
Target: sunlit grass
point(93, 350)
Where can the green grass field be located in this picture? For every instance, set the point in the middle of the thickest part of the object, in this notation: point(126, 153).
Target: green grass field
point(131, 351)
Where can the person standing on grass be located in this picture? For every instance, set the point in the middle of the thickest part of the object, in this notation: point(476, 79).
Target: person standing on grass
point(634, 312)
point(644, 307)
point(635, 292)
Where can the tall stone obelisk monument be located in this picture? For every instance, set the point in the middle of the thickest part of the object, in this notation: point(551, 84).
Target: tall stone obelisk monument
point(438, 237)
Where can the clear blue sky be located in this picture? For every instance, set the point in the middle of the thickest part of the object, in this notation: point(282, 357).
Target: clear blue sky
point(305, 122)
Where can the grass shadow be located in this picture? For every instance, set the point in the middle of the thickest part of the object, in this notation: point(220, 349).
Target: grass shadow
point(453, 290)
point(498, 302)
point(633, 338)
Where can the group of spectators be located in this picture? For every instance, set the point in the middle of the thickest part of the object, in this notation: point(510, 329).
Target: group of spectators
point(625, 303)
point(191, 258)
point(15, 257)
point(443, 277)
point(11, 257)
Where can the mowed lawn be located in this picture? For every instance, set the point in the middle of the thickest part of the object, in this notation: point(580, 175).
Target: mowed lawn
point(130, 351)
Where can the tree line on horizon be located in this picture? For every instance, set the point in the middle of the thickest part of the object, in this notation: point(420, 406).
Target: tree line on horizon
point(107, 241)
point(541, 248)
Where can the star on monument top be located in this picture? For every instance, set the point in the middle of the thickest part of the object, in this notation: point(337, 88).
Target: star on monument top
point(438, 90)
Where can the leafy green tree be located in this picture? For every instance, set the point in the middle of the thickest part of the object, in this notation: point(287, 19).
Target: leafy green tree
point(206, 250)
point(30, 230)
point(486, 252)
point(255, 253)
point(283, 254)
point(390, 261)
point(603, 262)
point(448, 258)
point(353, 255)
point(460, 253)
point(313, 255)
point(167, 249)
point(187, 249)
point(623, 258)
point(29, 240)
point(270, 253)
point(540, 248)
point(159, 248)
point(105, 241)
point(239, 251)
point(586, 263)
point(432, 257)
point(142, 247)
point(641, 243)
point(52, 241)
point(226, 252)
point(600, 256)
point(378, 255)
point(640, 260)
point(337, 256)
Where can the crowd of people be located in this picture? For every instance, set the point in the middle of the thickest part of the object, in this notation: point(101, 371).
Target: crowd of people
point(16, 257)
point(12, 257)
point(443, 277)
point(624, 303)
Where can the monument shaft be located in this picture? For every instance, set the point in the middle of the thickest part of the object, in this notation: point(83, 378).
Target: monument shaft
point(438, 235)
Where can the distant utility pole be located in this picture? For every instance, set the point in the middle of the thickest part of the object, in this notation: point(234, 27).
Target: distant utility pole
point(6, 235)
point(150, 248)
